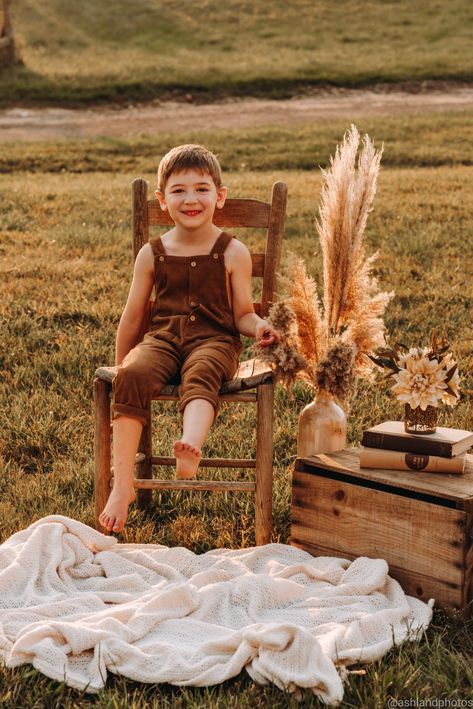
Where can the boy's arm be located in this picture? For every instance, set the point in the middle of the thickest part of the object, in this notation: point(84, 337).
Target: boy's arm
point(135, 309)
point(246, 320)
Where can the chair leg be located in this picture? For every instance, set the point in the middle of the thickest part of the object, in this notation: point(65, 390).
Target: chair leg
point(102, 460)
point(264, 463)
point(144, 469)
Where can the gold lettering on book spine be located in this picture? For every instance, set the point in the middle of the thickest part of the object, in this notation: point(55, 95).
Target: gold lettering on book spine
point(416, 461)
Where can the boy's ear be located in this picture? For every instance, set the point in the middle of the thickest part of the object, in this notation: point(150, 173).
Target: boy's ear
point(161, 199)
point(221, 196)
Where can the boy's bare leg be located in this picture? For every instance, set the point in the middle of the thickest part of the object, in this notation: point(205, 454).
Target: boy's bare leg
point(126, 438)
point(197, 419)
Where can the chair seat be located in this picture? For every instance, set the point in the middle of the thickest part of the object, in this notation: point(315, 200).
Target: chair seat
point(251, 374)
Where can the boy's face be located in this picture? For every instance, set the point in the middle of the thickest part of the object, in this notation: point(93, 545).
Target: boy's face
point(191, 198)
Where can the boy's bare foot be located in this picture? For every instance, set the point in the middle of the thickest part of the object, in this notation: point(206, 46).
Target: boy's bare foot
point(187, 459)
point(115, 513)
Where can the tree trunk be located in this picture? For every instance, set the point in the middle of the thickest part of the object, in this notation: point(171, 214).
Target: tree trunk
point(8, 53)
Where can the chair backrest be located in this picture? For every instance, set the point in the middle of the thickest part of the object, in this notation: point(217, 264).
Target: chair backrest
point(236, 213)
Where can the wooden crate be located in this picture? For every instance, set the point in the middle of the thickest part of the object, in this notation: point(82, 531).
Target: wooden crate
point(420, 523)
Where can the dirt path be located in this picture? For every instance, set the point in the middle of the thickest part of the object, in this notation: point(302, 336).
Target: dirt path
point(21, 124)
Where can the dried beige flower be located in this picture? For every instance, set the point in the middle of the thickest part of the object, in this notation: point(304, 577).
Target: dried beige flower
point(302, 295)
point(284, 356)
point(335, 372)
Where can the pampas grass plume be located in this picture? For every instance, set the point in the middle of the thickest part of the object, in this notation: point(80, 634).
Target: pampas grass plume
point(304, 301)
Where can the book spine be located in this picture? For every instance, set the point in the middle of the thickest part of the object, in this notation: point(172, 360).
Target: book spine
point(400, 460)
point(388, 441)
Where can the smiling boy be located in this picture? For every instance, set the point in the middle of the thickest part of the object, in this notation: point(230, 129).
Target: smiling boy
point(202, 278)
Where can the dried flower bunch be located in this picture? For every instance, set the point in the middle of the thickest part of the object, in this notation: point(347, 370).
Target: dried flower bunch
point(284, 355)
point(333, 341)
point(424, 376)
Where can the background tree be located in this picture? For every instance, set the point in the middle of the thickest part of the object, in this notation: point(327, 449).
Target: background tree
point(8, 51)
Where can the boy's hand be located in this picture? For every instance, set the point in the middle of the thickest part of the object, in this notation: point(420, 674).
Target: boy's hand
point(266, 335)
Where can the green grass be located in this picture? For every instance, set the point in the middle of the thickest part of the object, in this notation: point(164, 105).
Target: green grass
point(442, 139)
point(89, 52)
point(66, 257)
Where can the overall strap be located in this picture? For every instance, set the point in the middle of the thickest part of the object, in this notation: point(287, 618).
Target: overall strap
point(221, 243)
point(157, 245)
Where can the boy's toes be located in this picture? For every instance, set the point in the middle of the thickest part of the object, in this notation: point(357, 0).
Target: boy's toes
point(187, 459)
point(118, 525)
point(108, 523)
point(103, 519)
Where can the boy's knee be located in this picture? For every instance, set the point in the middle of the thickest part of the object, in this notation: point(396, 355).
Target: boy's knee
point(202, 380)
point(131, 395)
point(130, 374)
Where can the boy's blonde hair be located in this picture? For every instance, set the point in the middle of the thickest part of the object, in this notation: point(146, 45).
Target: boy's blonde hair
point(189, 157)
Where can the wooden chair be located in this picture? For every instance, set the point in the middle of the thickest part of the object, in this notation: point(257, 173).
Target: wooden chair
point(252, 374)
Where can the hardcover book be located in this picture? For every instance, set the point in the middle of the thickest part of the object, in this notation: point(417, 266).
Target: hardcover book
point(400, 460)
point(445, 442)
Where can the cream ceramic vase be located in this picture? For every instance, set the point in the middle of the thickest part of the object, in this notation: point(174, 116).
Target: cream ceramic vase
point(322, 427)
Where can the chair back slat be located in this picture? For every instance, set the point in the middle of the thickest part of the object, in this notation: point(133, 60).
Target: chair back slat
point(236, 213)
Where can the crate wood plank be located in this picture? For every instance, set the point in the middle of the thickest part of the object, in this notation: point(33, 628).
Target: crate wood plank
point(412, 583)
point(456, 488)
point(413, 535)
point(467, 552)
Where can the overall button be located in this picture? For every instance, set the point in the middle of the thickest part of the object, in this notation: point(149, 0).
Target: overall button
point(193, 264)
point(193, 304)
point(192, 317)
point(161, 258)
point(215, 255)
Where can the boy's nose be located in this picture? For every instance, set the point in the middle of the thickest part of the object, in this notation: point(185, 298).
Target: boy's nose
point(190, 197)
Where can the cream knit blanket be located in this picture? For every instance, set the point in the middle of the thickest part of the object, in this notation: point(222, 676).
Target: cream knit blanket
point(76, 604)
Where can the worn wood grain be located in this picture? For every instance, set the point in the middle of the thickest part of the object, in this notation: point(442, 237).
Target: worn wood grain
point(458, 488)
point(212, 485)
point(208, 462)
point(102, 473)
point(264, 464)
point(273, 245)
point(140, 226)
point(422, 529)
point(251, 213)
point(413, 583)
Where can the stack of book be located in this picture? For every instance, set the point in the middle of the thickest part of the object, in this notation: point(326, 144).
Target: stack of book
point(388, 446)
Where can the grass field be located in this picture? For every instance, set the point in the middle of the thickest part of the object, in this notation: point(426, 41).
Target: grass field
point(89, 52)
point(66, 260)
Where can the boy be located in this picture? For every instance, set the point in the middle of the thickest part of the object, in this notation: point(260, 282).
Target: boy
point(204, 301)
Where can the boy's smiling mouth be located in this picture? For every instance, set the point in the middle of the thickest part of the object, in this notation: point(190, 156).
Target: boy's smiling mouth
point(191, 212)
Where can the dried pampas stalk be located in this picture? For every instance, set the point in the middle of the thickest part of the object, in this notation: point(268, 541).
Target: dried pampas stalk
point(304, 302)
point(365, 307)
point(347, 194)
point(284, 356)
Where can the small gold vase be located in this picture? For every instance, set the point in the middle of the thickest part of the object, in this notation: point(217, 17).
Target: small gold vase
point(418, 421)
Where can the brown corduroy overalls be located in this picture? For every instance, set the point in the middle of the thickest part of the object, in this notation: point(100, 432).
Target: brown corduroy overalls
point(192, 333)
